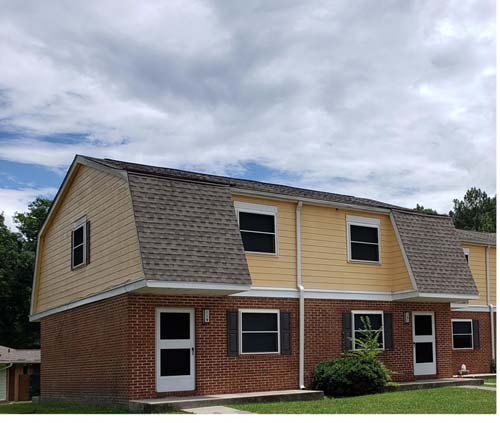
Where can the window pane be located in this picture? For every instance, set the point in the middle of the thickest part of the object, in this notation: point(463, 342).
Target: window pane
point(423, 325)
point(362, 335)
point(375, 320)
point(259, 342)
point(259, 321)
point(423, 352)
point(462, 327)
point(262, 243)
point(78, 255)
point(174, 326)
point(175, 362)
point(462, 341)
point(257, 222)
point(364, 234)
point(368, 252)
point(78, 236)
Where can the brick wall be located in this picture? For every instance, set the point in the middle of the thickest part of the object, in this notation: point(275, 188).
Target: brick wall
point(477, 360)
point(84, 353)
point(105, 351)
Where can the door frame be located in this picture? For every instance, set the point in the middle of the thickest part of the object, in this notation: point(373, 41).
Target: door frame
point(428, 338)
point(176, 380)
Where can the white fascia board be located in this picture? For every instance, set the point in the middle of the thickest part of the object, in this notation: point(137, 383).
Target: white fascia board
point(471, 307)
point(197, 285)
point(402, 295)
point(255, 208)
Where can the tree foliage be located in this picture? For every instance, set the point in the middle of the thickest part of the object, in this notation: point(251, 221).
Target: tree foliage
point(17, 262)
point(477, 211)
point(423, 209)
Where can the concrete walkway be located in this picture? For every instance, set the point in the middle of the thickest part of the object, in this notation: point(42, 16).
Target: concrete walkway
point(480, 387)
point(216, 409)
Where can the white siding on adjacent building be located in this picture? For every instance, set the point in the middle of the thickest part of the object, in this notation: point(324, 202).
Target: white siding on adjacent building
point(3, 385)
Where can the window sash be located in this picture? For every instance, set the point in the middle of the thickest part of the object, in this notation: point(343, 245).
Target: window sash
point(350, 241)
point(381, 337)
point(275, 252)
point(469, 334)
point(82, 245)
point(243, 332)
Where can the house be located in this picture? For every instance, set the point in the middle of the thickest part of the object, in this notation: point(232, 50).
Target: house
point(152, 282)
point(19, 374)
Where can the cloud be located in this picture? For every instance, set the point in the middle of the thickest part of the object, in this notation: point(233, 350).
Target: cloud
point(17, 200)
point(391, 100)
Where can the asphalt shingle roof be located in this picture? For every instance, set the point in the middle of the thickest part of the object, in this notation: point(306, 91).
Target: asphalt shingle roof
point(474, 237)
point(188, 230)
point(435, 255)
point(11, 355)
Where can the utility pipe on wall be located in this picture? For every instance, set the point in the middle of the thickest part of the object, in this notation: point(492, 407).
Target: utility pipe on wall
point(490, 306)
point(300, 288)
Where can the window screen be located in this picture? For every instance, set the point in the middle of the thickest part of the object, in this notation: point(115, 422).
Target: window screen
point(462, 334)
point(258, 232)
point(364, 243)
point(259, 332)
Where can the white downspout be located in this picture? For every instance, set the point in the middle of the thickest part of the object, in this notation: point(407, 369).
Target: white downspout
point(490, 306)
point(300, 288)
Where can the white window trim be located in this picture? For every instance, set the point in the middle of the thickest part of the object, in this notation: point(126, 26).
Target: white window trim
point(358, 312)
point(467, 254)
point(471, 334)
point(82, 222)
point(259, 209)
point(240, 329)
point(369, 223)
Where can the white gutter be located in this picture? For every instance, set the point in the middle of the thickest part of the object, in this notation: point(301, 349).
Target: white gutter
point(300, 288)
point(490, 306)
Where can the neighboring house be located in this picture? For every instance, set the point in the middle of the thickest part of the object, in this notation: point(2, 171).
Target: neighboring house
point(152, 281)
point(19, 374)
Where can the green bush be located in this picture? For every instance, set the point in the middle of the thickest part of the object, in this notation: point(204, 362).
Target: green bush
point(350, 376)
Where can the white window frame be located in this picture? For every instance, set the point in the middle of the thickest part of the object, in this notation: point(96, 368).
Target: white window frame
point(240, 329)
point(366, 222)
point(259, 209)
point(471, 334)
point(467, 255)
point(353, 330)
point(80, 223)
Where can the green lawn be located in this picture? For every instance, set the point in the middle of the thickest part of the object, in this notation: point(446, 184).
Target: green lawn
point(29, 407)
point(423, 401)
point(490, 381)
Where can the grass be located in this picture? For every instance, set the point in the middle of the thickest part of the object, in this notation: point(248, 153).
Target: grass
point(490, 381)
point(28, 407)
point(422, 401)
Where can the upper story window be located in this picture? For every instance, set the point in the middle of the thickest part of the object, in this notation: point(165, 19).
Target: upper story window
point(260, 331)
point(466, 254)
point(257, 227)
point(363, 236)
point(80, 239)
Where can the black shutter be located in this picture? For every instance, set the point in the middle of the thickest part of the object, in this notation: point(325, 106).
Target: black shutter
point(232, 333)
point(72, 236)
point(87, 239)
point(388, 331)
point(475, 334)
point(347, 331)
point(285, 333)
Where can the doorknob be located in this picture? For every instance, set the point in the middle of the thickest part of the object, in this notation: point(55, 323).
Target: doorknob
point(192, 350)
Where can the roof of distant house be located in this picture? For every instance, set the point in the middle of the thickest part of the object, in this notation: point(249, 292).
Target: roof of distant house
point(11, 355)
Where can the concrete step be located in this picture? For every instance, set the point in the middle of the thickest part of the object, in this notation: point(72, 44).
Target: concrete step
point(158, 405)
point(437, 383)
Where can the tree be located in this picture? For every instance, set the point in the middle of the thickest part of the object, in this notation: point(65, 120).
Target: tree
point(477, 211)
point(17, 263)
point(422, 209)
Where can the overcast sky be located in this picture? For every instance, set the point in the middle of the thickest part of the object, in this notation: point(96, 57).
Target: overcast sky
point(391, 100)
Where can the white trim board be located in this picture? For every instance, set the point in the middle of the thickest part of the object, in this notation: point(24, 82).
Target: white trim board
point(471, 307)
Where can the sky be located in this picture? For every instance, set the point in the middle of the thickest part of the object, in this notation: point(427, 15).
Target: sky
point(391, 100)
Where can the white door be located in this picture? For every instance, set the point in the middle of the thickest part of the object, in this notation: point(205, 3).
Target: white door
point(3, 385)
point(424, 343)
point(175, 365)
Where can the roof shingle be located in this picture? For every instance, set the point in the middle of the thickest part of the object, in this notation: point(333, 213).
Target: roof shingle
point(474, 237)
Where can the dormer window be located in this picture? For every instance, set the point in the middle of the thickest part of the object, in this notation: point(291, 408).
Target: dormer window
point(363, 238)
point(466, 254)
point(257, 227)
point(80, 237)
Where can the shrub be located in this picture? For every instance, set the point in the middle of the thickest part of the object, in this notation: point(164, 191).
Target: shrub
point(350, 375)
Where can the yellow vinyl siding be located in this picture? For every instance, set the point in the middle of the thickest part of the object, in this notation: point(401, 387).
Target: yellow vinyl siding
point(477, 263)
point(324, 252)
point(114, 249)
point(493, 275)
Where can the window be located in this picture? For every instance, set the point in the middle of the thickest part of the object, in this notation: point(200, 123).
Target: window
point(363, 239)
point(257, 227)
point(79, 244)
point(259, 333)
point(462, 334)
point(466, 254)
point(376, 319)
